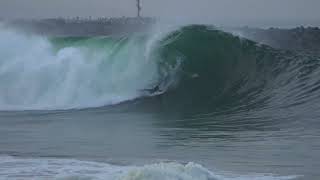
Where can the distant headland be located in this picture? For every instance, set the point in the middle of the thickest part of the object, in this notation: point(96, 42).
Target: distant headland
point(78, 26)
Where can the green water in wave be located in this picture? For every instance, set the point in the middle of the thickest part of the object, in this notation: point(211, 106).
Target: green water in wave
point(200, 68)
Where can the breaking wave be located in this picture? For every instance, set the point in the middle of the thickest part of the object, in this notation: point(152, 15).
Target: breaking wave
point(196, 67)
point(67, 169)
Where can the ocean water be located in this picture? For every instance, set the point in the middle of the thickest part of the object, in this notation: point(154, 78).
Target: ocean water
point(190, 102)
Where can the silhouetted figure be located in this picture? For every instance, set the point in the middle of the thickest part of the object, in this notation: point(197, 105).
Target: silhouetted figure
point(153, 90)
point(139, 8)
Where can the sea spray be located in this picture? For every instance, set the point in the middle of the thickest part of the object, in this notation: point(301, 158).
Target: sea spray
point(51, 73)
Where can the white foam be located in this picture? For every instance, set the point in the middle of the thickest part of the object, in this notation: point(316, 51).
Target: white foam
point(67, 169)
point(33, 76)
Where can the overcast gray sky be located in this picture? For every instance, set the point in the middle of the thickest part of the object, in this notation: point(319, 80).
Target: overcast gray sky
point(241, 11)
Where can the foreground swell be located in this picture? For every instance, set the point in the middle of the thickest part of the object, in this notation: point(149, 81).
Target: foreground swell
point(62, 169)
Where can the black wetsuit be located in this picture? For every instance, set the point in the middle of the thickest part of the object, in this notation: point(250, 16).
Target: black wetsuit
point(155, 89)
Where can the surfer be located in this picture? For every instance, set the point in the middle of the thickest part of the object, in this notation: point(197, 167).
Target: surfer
point(153, 90)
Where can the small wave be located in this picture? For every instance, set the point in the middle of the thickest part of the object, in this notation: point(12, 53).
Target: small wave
point(66, 169)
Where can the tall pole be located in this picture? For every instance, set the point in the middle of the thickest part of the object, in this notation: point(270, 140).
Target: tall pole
point(139, 8)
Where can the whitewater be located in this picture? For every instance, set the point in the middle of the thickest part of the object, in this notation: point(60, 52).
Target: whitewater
point(62, 169)
point(37, 74)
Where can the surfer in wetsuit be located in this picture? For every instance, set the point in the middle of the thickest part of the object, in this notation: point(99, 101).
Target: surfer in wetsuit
point(157, 89)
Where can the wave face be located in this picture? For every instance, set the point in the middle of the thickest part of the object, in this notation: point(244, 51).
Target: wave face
point(193, 67)
point(219, 71)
